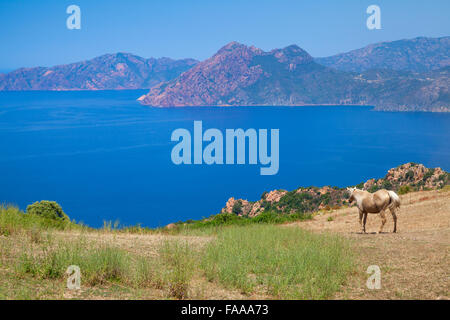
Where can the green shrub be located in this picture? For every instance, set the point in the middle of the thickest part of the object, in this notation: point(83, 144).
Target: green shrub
point(13, 220)
point(237, 207)
point(294, 201)
point(409, 176)
point(444, 179)
point(360, 185)
point(386, 185)
point(47, 209)
point(404, 189)
point(428, 174)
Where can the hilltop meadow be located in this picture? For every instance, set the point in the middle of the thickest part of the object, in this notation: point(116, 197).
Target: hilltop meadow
point(317, 256)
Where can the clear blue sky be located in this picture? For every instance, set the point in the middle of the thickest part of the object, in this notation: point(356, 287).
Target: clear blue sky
point(34, 33)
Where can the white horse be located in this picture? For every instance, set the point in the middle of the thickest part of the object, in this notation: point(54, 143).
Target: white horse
point(376, 202)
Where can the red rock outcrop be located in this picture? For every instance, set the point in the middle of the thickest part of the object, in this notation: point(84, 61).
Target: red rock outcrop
point(417, 176)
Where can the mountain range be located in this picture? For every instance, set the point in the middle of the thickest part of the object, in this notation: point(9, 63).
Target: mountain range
point(419, 55)
point(239, 75)
point(107, 72)
point(403, 75)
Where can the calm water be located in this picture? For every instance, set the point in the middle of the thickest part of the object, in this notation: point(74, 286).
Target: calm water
point(103, 156)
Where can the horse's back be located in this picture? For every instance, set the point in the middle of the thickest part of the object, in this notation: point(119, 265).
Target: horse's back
point(374, 202)
point(382, 198)
point(381, 194)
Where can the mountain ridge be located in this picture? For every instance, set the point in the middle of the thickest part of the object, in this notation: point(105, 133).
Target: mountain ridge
point(416, 79)
point(106, 72)
point(418, 54)
point(240, 75)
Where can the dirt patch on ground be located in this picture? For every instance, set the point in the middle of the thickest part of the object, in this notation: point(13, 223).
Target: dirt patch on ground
point(142, 244)
point(414, 262)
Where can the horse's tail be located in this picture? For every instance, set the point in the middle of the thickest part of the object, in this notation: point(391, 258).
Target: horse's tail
point(395, 200)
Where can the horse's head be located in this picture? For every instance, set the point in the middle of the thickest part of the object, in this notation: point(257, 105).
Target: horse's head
point(352, 196)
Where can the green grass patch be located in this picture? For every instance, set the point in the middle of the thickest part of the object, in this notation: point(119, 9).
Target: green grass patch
point(217, 222)
point(102, 264)
point(99, 264)
point(180, 263)
point(405, 189)
point(13, 220)
point(287, 263)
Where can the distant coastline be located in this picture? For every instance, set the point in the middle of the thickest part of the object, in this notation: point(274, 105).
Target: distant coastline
point(239, 75)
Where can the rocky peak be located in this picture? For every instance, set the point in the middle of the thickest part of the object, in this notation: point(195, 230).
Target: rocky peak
point(274, 195)
point(292, 54)
point(236, 50)
point(117, 57)
point(410, 174)
point(231, 47)
point(417, 175)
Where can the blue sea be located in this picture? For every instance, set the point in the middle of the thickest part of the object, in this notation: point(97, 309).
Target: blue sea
point(105, 157)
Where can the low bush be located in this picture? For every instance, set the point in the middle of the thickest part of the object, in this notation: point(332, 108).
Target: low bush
point(47, 209)
point(405, 189)
point(13, 220)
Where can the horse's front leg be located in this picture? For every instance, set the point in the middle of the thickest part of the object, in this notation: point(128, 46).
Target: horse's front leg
point(364, 222)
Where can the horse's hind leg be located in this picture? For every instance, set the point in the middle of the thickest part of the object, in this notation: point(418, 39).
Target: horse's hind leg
point(394, 216)
point(364, 222)
point(383, 221)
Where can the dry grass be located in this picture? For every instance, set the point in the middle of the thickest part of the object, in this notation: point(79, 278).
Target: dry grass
point(415, 262)
point(163, 254)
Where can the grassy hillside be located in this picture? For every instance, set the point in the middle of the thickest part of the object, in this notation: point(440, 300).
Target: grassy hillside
point(243, 260)
point(300, 244)
point(318, 258)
